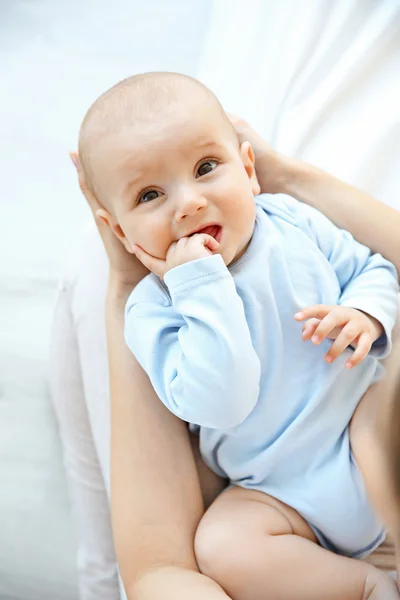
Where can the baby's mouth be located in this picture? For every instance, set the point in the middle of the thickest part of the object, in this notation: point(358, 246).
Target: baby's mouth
point(214, 231)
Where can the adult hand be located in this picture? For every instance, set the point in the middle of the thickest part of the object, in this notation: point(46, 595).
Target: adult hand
point(125, 269)
point(273, 169)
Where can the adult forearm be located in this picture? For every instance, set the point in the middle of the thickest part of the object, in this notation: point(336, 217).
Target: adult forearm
point(152, 468)
point(389, 431)
point(371, 222)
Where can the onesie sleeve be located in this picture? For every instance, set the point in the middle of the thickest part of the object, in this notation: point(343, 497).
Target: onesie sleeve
point(368, 282)
point(195, 344)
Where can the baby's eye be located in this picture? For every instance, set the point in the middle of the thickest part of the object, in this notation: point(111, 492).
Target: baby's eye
point(205, 167)
point(148, 195)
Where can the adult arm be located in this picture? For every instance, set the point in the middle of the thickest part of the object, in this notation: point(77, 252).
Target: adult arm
point(371, 222)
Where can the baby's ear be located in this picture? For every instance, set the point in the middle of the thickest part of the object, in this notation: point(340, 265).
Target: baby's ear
point(248, 159)
point(109, 220)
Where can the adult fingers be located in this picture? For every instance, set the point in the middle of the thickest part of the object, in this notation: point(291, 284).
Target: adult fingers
point(85, 189)
point(236, 120)
point(119, 258)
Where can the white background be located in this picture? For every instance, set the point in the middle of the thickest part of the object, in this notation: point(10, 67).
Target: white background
point(56, 57)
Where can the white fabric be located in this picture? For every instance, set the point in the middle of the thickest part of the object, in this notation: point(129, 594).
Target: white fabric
point(318, 80)
point(79, 383)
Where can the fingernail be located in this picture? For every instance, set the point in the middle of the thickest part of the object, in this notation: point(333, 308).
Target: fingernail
point(329, 359)
point(315, 339)
point(349, 365)
point(299, 315)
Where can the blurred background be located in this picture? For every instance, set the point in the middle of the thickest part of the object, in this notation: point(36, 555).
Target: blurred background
point(319, 79)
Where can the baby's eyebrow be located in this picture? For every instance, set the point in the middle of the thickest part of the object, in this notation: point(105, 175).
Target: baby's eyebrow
point(207, 144)
point(131, 183)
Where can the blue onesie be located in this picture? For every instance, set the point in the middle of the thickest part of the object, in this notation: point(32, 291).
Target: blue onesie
point(223, 352)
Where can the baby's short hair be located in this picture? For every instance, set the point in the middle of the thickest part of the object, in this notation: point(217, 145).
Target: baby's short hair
point(138, 100)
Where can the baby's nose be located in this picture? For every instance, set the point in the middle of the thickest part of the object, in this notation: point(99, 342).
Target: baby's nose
point(189, 205)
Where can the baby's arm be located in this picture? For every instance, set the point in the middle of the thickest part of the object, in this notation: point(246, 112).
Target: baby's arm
point(368, 282)
point(196, 346)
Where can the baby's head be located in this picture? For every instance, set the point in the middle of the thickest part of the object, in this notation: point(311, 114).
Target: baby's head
point(164, 161)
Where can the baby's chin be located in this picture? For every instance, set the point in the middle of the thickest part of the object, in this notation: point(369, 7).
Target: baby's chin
point(230, 256)
point(235, 254)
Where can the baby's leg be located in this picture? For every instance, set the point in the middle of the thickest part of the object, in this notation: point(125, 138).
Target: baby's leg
point(257, 548)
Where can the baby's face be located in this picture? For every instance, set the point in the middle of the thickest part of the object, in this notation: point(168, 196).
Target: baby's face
point(171, 180)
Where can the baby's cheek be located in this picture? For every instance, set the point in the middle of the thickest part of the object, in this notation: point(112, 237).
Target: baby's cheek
point(154, 242)
point(245, 214)
point(143, 231)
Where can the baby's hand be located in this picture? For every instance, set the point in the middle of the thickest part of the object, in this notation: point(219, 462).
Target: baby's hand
point(199, 245)
point(348, 326)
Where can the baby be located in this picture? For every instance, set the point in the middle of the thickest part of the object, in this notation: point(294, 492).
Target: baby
point(216, 326)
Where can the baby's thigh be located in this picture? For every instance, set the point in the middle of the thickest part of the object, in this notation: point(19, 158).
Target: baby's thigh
point(238, 521)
